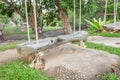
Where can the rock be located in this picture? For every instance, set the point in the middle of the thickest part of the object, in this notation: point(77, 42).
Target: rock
point(70, 62)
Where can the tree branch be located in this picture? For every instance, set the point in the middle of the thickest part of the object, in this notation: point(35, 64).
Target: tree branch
point(13, 6)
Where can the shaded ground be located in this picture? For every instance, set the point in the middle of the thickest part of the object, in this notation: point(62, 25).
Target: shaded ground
point(114, 42)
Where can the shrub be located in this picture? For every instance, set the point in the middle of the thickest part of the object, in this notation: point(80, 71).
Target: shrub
point(110, 76)
point(95, 25)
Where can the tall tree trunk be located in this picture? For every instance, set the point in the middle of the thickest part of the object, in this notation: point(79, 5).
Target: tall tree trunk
point(63, 18)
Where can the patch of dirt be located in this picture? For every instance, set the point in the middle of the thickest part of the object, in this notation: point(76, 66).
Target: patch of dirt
point(114, 42)
point(9, 55)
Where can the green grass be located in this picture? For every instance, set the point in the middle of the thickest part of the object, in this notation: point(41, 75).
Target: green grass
point(14, 30)
point(105, 34)
point(17, 30)
point(49, 28)
point(9, 46)
point(18, 70)
point(102, 47)
point(110, 76)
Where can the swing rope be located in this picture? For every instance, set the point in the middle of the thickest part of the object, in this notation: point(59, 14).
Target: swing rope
point(36, 29)
point(28, 30)
point(105, 14)
point(74, 16)
point(80, 16)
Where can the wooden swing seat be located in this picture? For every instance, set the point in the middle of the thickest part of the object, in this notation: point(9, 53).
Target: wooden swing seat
point(50, 42)
point(112, 26)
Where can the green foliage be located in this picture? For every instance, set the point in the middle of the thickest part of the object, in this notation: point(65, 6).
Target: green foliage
point(110, 76)
point(6, 9)
point(95, 25)
point(90, 9)
point(3, 20)
point(111, 10)
point(18, 70)
point(9, 46)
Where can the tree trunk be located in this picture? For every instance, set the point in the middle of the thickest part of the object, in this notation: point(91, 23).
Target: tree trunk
point(1, 36)
point(63, 18)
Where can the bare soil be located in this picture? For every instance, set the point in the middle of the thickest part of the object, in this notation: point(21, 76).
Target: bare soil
point(9, 55)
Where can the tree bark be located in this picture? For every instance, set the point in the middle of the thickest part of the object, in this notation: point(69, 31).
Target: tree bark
point(63, 18)
point(1, 36)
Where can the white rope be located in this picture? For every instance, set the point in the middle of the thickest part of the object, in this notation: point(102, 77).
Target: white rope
point(105, 15)
point(36, 30)
point(28, 30)
point(80, 17)
point(74, 16)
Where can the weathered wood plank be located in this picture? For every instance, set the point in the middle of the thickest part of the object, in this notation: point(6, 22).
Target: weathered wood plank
point(112, 26)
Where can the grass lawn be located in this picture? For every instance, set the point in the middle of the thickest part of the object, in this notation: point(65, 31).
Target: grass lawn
point(9, 46)
point(17, 30)
point(105, 34)
point(51, 28)
point(18, 70)
point(14, 30)
point(102, 47)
